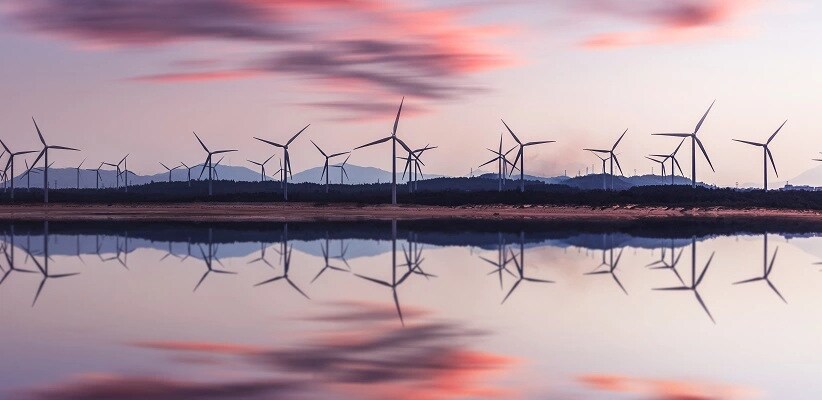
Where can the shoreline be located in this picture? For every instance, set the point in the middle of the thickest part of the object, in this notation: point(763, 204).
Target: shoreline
point(307, 212)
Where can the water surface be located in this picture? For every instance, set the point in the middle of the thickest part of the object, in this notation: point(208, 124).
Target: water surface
point(409, 310)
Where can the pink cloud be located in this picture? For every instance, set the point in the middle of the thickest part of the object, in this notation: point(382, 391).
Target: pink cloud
point(666, 21)
point(425, 52)
point(198, 76)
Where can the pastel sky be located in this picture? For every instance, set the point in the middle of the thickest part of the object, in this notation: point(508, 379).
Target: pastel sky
point(139, 76)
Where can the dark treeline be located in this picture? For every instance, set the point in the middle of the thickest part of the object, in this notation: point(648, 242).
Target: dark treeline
point(440, 191)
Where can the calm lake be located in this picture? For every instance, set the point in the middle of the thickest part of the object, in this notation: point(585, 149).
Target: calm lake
point(416, 310)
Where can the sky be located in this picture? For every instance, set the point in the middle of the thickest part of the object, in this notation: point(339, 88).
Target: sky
point(139, 77)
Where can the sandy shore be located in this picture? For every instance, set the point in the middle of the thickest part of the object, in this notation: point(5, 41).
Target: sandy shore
point(346, 212)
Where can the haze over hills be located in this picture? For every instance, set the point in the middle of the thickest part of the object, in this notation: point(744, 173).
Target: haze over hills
point(67, 178)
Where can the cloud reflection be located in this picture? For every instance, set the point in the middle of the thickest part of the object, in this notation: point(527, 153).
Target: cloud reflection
point(364, 355)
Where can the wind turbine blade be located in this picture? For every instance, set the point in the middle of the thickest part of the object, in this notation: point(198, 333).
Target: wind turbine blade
point(63, 148)
point(777, 131)
point(699, 125)
point(702, 275)
point(269, 142)
point(539, 142)
point(488, 162)
point(678, 166)
point(516, 159)
point(338, 154)
point(40, 134)
point(748, 142)
point(770, 156)
point(616, 160)
point(268, 159)
point(37, 159)
point(318, 148)
point(770, 267)
point(619, 140)
point(705, 153)
point(682, 135)
point(224, 151)
point(383, 140)
point(164, 166)
point(704, 307)
point(297, 134)
point(201, 142)
point(749, 281)
point(397, 120)
point(597, 150)
point(511, 132)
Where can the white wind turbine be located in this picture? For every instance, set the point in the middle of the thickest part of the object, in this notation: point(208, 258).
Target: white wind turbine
point(207, 163)
point(44, 154)
point(694, 142)
point(394, 140)
point(521, 156)
point(766, 154)
point(328, 157)
point(170, 170)
point(612, 156)
point(286, 168)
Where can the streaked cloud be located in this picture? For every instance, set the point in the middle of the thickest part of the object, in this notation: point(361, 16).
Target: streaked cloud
point(365, 354)
point(665, 389)
point(383, 49)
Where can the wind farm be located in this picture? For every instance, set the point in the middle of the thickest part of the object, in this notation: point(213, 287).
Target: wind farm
point(611, 187)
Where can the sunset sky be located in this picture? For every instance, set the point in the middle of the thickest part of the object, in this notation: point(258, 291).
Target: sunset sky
point(139, 76)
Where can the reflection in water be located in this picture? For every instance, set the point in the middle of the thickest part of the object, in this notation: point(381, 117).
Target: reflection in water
point(610, 266)
point(766, 269)
point(285, 250)
point(520, 268)
point(421, 347)
point(209, 258)
point(43, 266)
point(695, 281)
point(324, 247)
point(363, 357)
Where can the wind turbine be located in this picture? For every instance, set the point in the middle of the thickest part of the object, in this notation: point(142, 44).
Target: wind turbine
point(262, 166)
point(502, 162)
point(123, 171)
point(661, 164)
point(78, 172)
point(694, 142)
point(603, 159)
point(97, 178)
point(766, 154)
point(521, 154)
point(325, 165)
point(341, 166)
point(189, 171)
point(612, 156)
point(674, 161)
point(169, 170)
point(287, 160)
point(28, 172)
point(45, 155)
point(10, 164)
point(412, 166)
point(207, 163)
point(394, 140)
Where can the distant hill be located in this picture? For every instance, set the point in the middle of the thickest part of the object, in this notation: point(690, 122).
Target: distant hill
point(357, 175)
point(67, 177)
